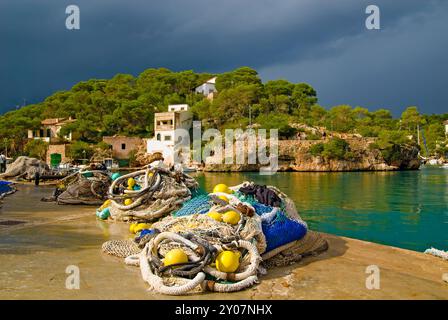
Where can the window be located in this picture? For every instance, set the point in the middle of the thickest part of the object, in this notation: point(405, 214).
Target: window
point(48, 133)
point(123, 146)
point(167, 138)
point(159, 137)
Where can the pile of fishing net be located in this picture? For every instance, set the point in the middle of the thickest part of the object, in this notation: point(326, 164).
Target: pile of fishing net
point(220, 241)
point(147, 194)
point(87, 187)
point(26, 168)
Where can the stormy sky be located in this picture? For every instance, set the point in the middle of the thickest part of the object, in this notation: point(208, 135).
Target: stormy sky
point(322, 42)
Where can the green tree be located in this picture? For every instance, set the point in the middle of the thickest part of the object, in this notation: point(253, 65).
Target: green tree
point(80, 150)
point(340, 118)
point(36, 148)
point(232, 104)
point(410, 119)
point(279, 87)
point(240, 76)
point(304, 97)
point(279, 122)
point(435, 137)
point(317, 115)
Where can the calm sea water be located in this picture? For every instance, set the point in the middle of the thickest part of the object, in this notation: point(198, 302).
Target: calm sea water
point(407, 209)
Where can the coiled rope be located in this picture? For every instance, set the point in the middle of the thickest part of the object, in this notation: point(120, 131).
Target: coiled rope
point(202, 255)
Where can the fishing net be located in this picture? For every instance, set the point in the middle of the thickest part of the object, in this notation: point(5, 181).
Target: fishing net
point(6, 188)
point(198, 204)
point(312, 244)
point(26, 168)
point(84, 187)
point(161, 192)
point(269, 230)
point(121, 248)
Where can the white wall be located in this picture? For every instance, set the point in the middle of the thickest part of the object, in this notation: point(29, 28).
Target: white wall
point(178, 107)
point(206, 89)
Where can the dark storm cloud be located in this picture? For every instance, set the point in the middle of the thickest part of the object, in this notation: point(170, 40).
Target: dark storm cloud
point(321, 42)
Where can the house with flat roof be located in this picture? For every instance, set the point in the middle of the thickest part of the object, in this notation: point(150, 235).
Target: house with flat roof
point(446, 127)
point(178, 116)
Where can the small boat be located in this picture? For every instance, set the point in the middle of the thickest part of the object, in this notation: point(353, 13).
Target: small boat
point(189, 169)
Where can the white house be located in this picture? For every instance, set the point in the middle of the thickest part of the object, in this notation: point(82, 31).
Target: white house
point(49, 130)
point(446, 127)
point(165, 124)
point(207, 88)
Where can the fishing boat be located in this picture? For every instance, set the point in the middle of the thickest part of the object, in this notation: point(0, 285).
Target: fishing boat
point(189, 169)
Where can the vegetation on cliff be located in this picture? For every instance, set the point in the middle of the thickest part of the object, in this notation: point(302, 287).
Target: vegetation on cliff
point(126, 105)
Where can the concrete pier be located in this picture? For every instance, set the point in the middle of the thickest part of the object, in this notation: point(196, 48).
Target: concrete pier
point(35, 254)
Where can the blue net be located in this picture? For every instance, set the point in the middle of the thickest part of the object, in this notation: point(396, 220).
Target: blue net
point(282, 230)
point(199, 203)
point(278, 229)
point(5, 186)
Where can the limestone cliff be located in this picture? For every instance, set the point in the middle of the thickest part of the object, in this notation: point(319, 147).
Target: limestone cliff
point(294, 155)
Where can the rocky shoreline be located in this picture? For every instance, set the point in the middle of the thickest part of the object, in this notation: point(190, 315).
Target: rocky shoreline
point(294, 155)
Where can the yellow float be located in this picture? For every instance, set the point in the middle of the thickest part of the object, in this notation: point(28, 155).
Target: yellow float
point(221, 187)
point(175, 256)
point(215, 215)
point(139, 227)
point(231, 217)
point(132, 227)
point(105, 205)
point(224, 198)
point(131, 183)
point(228, 261)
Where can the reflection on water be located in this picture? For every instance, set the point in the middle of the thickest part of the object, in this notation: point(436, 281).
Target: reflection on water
point(407, 209)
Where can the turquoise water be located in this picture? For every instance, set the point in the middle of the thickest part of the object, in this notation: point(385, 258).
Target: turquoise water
point(407, 209)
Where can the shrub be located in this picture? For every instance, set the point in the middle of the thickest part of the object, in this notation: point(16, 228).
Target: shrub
point(36, 148)
point(312, 136)
point(390, 142)
point(317, 149)
point(80, 150)
point(336, 148)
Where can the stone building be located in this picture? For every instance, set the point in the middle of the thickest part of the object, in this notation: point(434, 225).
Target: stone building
point(122, 146)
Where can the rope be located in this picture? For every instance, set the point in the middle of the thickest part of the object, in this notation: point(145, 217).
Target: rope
point(255, 260)
point(162, 192)
point(437, 253)
point(152, 270)
point(155, 281)
point(201, 237)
